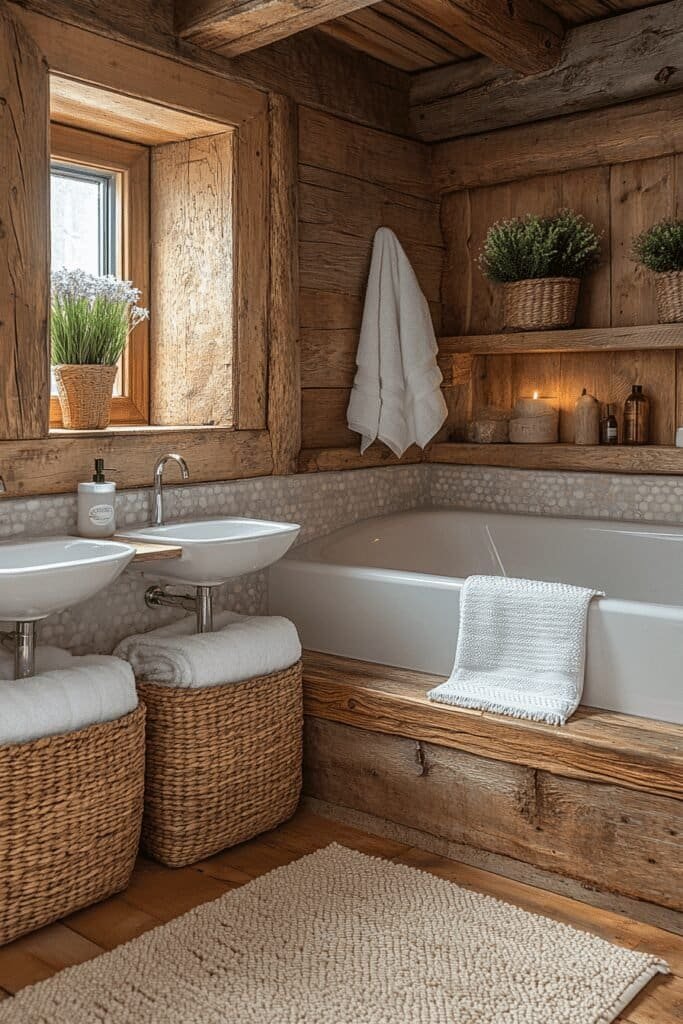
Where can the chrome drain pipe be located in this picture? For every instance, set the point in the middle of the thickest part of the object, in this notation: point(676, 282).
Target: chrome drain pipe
point(22, 643)
point(201, 603)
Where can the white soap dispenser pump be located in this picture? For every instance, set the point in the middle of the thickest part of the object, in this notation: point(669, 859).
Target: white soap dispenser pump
point(97, 505)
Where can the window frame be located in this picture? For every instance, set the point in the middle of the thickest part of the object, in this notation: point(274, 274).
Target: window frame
point(130, 162)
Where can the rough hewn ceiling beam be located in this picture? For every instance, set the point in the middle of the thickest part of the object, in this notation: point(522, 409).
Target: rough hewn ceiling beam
point(520, 34)
point(238, 26)
point(612, 61)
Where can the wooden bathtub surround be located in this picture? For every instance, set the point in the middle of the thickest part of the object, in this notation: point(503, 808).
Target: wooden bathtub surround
point(157, 894)
point(599, 801)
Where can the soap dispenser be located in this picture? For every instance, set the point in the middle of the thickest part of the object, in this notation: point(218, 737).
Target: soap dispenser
point(96, 505)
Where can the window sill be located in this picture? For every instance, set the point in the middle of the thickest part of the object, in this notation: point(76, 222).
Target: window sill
point(132, 429)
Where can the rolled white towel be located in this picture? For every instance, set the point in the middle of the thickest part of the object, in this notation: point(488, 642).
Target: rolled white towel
point(240, 648)
point(95, 688)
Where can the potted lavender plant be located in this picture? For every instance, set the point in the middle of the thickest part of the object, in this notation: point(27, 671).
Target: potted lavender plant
point(91, 320)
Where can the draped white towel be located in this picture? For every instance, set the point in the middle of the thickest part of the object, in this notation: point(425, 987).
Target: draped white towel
point(66, 694)
point(240, 647)
point(521, 648)
point(396, 395)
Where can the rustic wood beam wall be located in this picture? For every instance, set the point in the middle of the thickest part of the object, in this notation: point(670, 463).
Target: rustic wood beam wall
point(24, 233)
point(232, 27)
point(309, 68)
point(525, 36)
point(621, 58)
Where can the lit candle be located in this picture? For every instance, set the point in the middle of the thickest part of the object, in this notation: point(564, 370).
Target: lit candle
point(535, 406)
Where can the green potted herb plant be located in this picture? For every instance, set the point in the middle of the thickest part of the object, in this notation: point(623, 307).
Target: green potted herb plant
point(540, 261)
point(660, 249)
point(91, 320)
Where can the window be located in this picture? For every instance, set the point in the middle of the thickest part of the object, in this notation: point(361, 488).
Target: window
point(99, 194)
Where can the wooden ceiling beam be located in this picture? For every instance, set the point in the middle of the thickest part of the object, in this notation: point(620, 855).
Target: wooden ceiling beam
point(523, 35)
point(611, 61)
point(232, 27)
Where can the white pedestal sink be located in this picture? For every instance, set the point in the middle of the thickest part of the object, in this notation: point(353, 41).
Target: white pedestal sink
point(213, 552)
point(42, 576)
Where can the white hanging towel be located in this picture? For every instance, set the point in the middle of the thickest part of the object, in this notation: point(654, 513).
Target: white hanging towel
point(396, 394)
point(521, 648)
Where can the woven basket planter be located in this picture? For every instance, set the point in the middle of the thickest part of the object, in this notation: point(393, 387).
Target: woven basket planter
point(541, 304)
point(70, 814)
point(223, 764)
point(669, 289)
point(85, 393)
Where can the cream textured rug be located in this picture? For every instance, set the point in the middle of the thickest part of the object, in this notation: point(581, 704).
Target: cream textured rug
point(341, 938)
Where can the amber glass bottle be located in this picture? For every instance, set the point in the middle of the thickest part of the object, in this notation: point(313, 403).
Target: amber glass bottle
point(636, 417)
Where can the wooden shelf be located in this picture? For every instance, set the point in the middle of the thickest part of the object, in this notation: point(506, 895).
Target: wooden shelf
point(145, 552)
point(591, 459)
point(594, 339)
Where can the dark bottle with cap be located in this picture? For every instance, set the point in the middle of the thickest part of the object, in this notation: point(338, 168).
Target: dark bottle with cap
point(609, 430)
point(636, 417)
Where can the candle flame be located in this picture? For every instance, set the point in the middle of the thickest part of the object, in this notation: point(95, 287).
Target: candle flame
point(535, 395)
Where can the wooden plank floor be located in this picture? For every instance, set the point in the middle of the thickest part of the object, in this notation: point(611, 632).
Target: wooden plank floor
point(157, 894)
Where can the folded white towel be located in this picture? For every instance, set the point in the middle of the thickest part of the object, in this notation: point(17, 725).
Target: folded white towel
point(396, 394)
point(95, 688)
point(240, 647)
point(521, 648)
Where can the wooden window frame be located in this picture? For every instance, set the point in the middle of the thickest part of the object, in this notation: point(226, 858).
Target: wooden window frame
point(151, 99)
point(131, 162)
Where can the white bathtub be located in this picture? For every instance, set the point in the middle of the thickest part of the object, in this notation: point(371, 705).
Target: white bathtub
point(387, 590)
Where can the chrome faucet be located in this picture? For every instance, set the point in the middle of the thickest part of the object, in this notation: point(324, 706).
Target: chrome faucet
point(3, 488)
point(158, 513)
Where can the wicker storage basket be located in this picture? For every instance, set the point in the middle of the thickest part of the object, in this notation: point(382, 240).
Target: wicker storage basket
point(223, 764)
point(541, 304)
point(85, 394)
point(669, 289)
point(70, 814)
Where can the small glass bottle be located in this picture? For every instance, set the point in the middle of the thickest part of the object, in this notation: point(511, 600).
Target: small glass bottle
point(636, 417)
point(608, 427)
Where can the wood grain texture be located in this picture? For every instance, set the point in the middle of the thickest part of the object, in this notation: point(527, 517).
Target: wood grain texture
point(616, 839)
point(193, 338)
point(56, 464)
point(326, 460)
point(477, 96)
point(526, 35)
point(656, 459)
point(251, 227)
point(597, 745)
point(232, 26)
point(308, 68)
point(150, 552)
point(587, 339)
point(125, 117)
point(284, 373)
point(24, 234)
point(630, 131)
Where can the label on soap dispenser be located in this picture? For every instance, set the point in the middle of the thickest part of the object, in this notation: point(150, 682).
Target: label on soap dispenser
point(101, 515)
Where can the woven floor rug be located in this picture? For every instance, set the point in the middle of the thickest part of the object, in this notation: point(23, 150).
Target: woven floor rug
point(338, 937)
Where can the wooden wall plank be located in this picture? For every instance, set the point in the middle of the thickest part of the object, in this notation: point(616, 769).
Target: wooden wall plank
point(284, 377)
point(24, 234)
point(192, 256)
point(607, 836)
point(630, 131)
point(251, 215)
point(323, 419)
point(373, 156)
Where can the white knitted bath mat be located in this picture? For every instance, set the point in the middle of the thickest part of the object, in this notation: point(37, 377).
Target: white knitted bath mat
point(341, 938)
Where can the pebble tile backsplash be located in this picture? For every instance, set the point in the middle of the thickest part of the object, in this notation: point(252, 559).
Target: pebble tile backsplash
point(322, 502)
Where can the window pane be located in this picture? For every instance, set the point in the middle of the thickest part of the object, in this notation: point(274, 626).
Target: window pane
point(82, 224)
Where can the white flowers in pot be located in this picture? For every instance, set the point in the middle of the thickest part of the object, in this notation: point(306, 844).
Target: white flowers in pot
point(91, 321)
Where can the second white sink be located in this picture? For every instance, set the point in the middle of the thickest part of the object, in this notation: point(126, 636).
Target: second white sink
point(216, 550)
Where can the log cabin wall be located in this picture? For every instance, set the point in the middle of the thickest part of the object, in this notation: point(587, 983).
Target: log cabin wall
point(622, 169)
point(352, 180)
